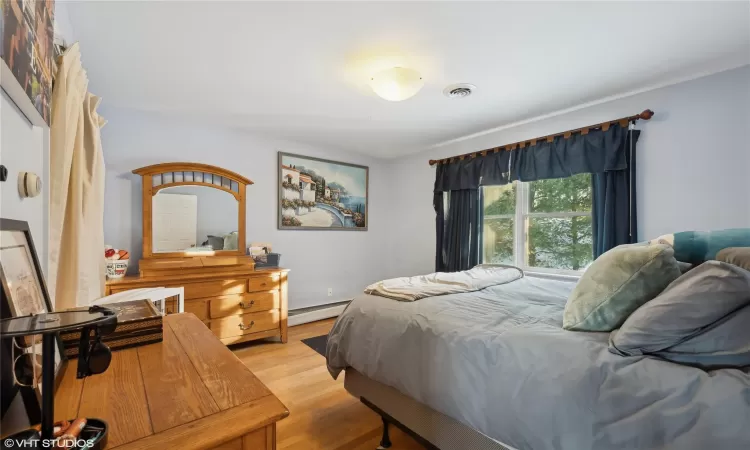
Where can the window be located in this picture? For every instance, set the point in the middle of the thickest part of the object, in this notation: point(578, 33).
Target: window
point(541, 225)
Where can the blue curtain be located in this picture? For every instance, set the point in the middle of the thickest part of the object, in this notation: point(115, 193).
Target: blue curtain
point(614, 212)
point(595, 152)
point(458, 227)
point(607, 154)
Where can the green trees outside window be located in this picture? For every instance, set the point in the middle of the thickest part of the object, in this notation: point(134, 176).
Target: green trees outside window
point(550, 220)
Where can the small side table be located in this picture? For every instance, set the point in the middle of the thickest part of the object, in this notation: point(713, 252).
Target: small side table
point(156, 294)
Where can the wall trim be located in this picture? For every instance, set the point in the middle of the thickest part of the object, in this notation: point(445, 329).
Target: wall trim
point(324, 312)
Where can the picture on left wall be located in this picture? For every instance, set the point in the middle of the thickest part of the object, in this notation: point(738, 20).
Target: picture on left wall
point(27, 33)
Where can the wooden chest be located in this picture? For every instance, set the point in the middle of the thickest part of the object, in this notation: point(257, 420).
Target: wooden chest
point(236, 303)
point(188, 392)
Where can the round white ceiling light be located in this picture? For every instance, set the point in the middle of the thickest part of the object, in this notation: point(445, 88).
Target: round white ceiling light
point(459, 90)
point(396, 84)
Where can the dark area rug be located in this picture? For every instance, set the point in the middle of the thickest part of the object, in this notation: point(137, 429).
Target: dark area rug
point(317, 343)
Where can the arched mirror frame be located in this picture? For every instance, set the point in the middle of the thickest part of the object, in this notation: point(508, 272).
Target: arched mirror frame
point(154, 178)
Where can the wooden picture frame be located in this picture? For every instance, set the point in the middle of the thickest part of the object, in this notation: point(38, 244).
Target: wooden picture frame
point(305, 201)
point(27, 294)
point(157, 177)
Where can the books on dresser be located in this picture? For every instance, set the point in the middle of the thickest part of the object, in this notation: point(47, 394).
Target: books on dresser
point(138, 323)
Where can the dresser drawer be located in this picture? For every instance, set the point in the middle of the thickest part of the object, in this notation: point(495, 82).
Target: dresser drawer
point(230, 305)
point(197, 307)
point(263, 283)
point(245, 324)
point(214, 288)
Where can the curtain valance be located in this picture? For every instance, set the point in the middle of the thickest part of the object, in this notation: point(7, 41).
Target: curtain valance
point(467, 174)
point(594, 152)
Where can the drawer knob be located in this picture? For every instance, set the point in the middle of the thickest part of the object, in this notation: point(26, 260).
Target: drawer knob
point(244, 327)
point(249, 305)
point(263, 284)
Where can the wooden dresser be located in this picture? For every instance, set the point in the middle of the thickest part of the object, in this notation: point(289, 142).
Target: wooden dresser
point(188, 392)
point(222, 288)
point(235, 301)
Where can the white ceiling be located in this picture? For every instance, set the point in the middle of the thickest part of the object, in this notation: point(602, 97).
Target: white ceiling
point(299, 71)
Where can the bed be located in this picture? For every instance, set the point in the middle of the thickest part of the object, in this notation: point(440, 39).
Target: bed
point(494, 369)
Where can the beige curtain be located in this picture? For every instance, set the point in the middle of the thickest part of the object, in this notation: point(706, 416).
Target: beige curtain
point(76, 219)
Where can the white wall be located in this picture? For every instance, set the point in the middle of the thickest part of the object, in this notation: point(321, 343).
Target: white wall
point(23, 148)
point(693, 160)
point(346, 261)
point(693, 164)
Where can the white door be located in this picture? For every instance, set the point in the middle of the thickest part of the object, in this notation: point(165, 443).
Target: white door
point(174, 222)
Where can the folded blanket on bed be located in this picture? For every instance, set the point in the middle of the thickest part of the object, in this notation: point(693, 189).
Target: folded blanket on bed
point(409, 289)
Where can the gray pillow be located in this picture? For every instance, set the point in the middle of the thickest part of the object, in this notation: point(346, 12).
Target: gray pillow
point(697, 320)
point(725, 344)
point(617, 283)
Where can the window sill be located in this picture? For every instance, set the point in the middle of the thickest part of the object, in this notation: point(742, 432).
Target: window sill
point(552, 276)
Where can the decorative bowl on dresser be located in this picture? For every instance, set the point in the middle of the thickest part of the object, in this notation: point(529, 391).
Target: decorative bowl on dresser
point(222, 288)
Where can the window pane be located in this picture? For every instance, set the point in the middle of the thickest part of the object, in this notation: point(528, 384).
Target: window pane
point(560, 243)
point(572, 194)
point(499, 200)
point(497, 241)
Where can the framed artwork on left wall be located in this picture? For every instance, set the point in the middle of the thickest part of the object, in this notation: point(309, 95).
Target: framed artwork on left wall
point(27, 51)
point(320, 194)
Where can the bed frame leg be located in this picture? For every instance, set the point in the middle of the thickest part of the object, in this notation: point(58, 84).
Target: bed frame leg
point(385, 441)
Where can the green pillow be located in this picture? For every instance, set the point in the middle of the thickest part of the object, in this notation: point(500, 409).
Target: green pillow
point(230, 241)
point(617, 283)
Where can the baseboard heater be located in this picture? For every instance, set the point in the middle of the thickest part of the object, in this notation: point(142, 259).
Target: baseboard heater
point(315, 313)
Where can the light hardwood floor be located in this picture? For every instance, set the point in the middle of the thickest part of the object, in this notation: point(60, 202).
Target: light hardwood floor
point(323, 416)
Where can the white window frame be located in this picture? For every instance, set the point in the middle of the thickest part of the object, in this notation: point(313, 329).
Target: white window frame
point(521, 231)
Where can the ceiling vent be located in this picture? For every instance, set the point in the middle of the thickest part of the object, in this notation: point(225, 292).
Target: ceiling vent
point(459, 90)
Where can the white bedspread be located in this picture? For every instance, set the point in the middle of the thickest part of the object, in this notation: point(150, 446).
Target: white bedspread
point(409, 289)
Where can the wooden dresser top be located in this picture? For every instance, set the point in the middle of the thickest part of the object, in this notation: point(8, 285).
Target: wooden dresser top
point(187, 392)
point(137, 280)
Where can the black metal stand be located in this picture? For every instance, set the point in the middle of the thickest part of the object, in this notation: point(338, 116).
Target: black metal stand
point(49, 325)
point(385, 441)
point(48, 385)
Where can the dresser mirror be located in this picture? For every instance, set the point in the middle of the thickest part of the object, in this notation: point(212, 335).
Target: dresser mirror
point(194, 219)
point(192, 209)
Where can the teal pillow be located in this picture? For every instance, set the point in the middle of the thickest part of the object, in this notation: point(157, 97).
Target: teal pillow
point(617, 283)
point(696, 247)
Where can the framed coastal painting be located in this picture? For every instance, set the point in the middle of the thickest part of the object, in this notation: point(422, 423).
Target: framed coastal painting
point(319, 194)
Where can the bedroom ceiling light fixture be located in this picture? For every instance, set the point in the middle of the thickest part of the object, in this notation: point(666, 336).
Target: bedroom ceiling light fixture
point(397, 83)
